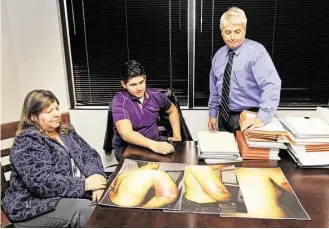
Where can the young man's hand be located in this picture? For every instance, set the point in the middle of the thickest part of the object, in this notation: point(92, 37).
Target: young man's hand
point(174, 139)
point(162, 147)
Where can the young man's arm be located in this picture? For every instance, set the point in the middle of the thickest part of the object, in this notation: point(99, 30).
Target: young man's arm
point(174, 122)
point(127, 133)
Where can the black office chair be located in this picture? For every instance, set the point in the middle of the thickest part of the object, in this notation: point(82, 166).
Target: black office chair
point(164, 123)
point(107, 146)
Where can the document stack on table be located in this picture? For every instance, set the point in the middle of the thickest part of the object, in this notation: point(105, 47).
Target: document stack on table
point(308, 140)
point(273, 132)
point(255, 152)
point(261, 143)
point(218, 147)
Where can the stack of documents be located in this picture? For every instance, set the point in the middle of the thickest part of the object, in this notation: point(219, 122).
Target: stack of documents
point(253, 152)
point(302, 127)
point(323, 113)
point(271, 132)
point(218, 147)
point(264, 142)
point(305, 159)
point(308, 140)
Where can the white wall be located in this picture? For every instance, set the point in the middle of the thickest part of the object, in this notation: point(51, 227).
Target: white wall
point(91, 125)
point(10, 87)
point(34, 58)
point(36, 46)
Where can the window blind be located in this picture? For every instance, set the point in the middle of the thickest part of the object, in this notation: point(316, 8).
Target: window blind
point(104, 34)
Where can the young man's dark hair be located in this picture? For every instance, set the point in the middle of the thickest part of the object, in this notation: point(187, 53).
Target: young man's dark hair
point(131, 69)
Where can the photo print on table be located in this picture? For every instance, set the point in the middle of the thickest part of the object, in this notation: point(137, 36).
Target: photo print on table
point(144, 184)
point(268, 195)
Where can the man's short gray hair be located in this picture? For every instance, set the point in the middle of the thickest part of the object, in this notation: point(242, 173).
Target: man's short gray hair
point(233, 16)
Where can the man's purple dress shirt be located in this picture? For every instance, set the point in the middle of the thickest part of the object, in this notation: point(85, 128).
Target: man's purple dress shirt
point(254, 81)
point(143, 117)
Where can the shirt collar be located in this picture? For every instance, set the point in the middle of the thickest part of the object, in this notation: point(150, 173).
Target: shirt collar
point(238, 49)
point(146, 96)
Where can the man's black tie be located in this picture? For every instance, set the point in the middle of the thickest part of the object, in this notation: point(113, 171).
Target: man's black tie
point(226, 87)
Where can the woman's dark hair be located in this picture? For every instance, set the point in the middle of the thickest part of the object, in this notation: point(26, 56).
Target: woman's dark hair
point(131, 69)
point(34, 103)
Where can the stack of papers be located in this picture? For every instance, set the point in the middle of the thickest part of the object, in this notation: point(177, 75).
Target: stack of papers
point(263, 142)
point(218, 147)
point(255, 153)
point(271, 132)
point(311, 159)
point(312, 147)
point(305, 127)
point(323, 113)
point(308, 139)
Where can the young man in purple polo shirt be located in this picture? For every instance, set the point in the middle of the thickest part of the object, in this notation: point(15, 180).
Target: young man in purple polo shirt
point(135, 113)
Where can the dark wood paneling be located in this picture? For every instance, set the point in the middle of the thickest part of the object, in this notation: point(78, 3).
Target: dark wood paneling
point(5, 152)
point(4, 183)
point(8, 130)
point(6, 168)
point(66, 118)
point(4, 220)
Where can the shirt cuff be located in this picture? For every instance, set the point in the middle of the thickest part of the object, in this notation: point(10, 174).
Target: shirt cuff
point(80, 185)
point(213, 113)
point(264, 116)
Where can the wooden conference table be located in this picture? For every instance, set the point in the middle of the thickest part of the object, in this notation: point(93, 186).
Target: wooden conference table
point(310, 185)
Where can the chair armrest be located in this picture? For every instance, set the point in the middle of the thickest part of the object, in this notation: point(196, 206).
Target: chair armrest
point(5, 222)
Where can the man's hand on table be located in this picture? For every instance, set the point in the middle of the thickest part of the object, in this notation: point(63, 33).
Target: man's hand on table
point(174, 139)
point(162, 147)
point(251, 124)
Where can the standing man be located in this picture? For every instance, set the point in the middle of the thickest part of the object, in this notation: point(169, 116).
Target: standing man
point(135, 113)
point(242, 77)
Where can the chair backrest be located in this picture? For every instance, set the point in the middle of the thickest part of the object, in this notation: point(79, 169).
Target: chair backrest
point(109, 132)
point(164, 119)
point(8, 131)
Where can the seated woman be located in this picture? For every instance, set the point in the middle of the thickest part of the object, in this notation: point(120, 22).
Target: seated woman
point(52, 168)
